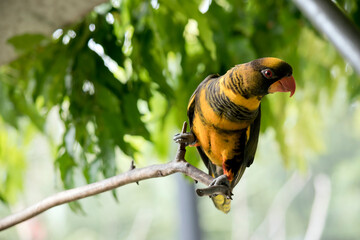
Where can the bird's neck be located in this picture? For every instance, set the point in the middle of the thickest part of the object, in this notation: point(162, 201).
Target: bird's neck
point(232, 85)
point(231, 106)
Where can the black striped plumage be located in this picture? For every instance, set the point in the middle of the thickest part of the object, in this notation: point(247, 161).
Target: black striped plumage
point(222, 105)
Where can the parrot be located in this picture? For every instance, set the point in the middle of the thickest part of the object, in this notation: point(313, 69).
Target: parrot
point(224, 115)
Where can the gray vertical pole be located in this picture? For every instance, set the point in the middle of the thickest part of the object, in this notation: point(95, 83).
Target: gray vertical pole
point(328, 19)
point(189, 228)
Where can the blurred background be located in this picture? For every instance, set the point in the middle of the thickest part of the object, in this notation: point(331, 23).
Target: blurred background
point(78, 104)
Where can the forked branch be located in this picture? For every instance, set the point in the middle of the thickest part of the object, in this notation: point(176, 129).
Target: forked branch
point(132, 176)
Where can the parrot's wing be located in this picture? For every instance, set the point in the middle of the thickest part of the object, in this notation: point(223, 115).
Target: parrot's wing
point(252, 142)
point(192, 102)
point(250, 149)
point(213, 169)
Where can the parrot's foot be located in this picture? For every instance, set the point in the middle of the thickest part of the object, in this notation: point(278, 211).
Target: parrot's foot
point(223, 182)
point(220, 185)
point(187, 138)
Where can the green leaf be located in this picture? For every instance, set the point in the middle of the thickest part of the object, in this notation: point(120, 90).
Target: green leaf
point(76, 207)
point(107, 156)
point(66, 165)
point(26, 107)
point(26, 42)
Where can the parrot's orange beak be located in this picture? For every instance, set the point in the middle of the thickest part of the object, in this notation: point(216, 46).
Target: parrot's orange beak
point(286, 84)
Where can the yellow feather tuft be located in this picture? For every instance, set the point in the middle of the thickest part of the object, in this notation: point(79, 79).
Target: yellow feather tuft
point(271, 62)
point(222, 203)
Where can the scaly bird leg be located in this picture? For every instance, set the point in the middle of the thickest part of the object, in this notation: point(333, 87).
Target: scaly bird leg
point(187, 138)
point(220, 185)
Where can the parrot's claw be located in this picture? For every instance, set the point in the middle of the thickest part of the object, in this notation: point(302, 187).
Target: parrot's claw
point(221, 180)
point(187, 138)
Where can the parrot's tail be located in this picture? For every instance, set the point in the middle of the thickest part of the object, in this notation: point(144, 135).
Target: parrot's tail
point(222, 203)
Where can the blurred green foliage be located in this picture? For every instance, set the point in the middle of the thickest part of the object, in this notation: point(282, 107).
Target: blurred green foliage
point(12, 163)
point(129, 67)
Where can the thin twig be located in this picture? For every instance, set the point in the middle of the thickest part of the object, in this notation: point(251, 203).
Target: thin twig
point(180, 155)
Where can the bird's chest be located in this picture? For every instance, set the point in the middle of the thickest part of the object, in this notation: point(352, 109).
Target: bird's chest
point(221, 139)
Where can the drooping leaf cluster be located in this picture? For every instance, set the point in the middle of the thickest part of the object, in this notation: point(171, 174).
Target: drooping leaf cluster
point(129, 68)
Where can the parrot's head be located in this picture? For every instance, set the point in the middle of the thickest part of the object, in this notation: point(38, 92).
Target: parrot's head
point(266, 75)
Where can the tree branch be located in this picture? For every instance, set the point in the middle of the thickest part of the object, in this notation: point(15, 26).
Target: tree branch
point(131, 176)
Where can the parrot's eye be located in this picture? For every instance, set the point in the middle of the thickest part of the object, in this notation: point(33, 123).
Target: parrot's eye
point(267, 73)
